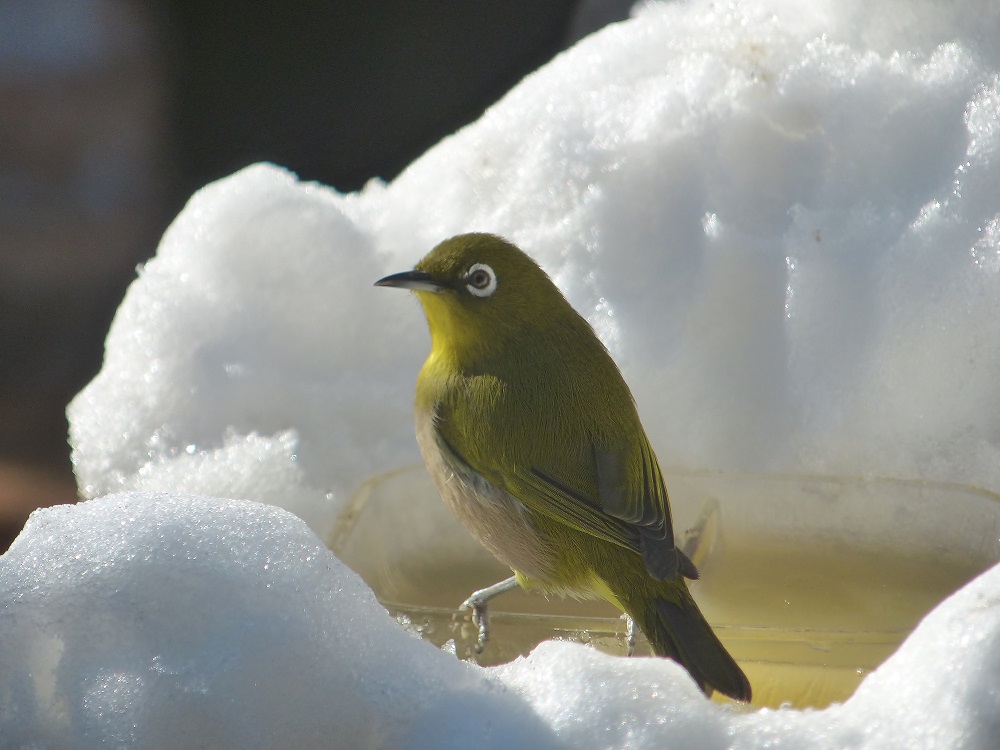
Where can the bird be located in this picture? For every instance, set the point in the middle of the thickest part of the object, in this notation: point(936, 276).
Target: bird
point(533, 440)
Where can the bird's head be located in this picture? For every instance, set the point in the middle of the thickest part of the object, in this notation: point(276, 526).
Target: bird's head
point(480, 294)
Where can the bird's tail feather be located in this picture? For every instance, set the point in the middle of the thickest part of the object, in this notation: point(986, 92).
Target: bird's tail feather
point(676, 629)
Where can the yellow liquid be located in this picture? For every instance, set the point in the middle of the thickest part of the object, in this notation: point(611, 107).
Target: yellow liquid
point(822, 615)
point(806, 603)
point(816, 586)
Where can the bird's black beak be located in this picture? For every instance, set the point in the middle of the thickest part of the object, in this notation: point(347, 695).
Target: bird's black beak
point(418, 281)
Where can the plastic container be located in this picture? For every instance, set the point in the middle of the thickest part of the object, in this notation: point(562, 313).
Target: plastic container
point(810, 582)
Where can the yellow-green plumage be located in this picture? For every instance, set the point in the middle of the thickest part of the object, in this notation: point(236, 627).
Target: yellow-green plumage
point(533, 439)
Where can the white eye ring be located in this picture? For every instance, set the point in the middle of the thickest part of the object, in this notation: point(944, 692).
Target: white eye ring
point(480, 280)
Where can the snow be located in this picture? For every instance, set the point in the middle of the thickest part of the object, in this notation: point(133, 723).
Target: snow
point(784, 221)
point(175, 620)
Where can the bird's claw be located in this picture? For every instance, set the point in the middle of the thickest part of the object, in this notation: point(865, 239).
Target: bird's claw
point(480, 618)
point(477, 603)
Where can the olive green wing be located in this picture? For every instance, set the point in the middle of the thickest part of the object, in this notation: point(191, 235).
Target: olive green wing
point(545, 494)
point(630, 508)
point(631, 489)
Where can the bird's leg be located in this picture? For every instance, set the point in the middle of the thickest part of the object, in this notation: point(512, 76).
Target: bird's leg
point(478, 603)
point(629, 635)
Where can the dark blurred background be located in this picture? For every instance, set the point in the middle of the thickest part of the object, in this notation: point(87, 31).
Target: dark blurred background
point(112, 112)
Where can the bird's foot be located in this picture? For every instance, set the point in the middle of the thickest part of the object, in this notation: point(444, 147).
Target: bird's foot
point(479, 602)
point(480, 618)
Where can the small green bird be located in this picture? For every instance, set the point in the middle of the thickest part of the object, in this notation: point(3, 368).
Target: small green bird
point(533, 440)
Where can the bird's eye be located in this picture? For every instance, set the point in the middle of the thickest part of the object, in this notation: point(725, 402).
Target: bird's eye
point(481, 280)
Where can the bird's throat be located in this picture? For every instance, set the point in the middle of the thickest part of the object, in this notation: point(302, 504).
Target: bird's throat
point(454, 343)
